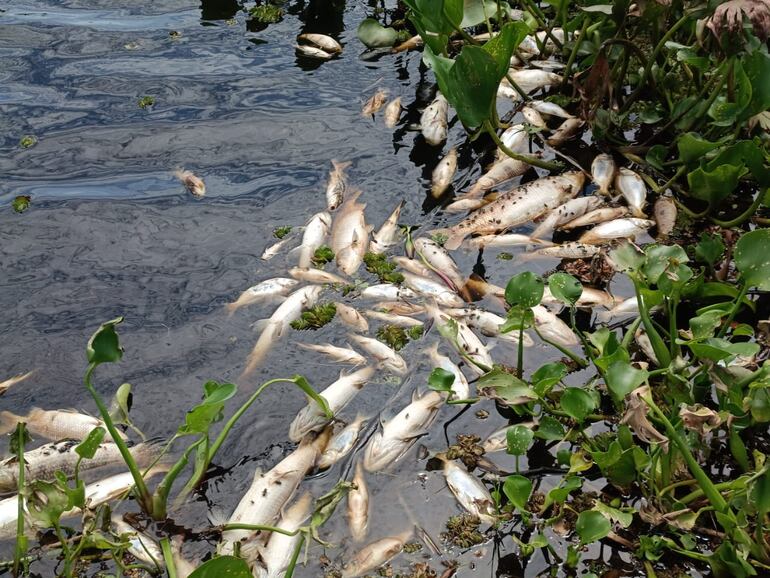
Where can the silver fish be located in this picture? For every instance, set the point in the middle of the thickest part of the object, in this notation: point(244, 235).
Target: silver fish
point(589, 298)
point(501, 170)
point(341, 443)
point(338, 395)
point(434, 121)
point(566, 130)
point(470, 492)
point(413, 43)
point(375, 555)
point(415, 266)
point(141, 546)
point(466, 205)
point(665, 212)
point(508, 240)
point(387, 235)
point(392, 112)
point(517, 206)
point(528, 80)
point(313, 52)
point(553, 328)
point(460, 387)
point(399, 434)
point(317, 276)
point(55, 424)
point(467, 339)
point(337, 185)
point(496, 441)
point(533, 117)
point(350, 235)
point(434, 289)
point(375, 103)
point(440, 260)
point(444, 173)
point(626, 307)
point(384, 355)
point(549, 108)
point(489, 323)
point(516, 138)
point(11, 381)
point(351, 317)
point(322, 41)
point(192, 183)
point(276, 248)
point(393, 319)
point(336, 354)
point(400, 307)
point(571, 250)
point(387, 291)
point(315, 234)
point(603, 171)
point(565, 213)
point(276, 555)
point(617, 229)
point(596, 216)
point(633, 189)
point(358, 506)
point(269, 289)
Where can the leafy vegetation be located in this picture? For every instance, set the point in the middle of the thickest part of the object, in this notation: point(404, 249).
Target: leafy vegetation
point(316, 317)
point(378, 264)
point(281, 232)
point(322, 256)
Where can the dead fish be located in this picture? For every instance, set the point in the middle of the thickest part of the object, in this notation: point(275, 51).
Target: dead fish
point(516, 138)
point(268, 493)
point(341, 443)
point(11, 381)
point(54, 425)
point(596, 216)
point(503, 170)
point(387, 291)
point(277, 554)
point(618, 229)
point(393, 319)
point(471, 493)
point(400, 307)
point(603, 171)
point(571, 250)
point(464, 205)
point(350, 235)
point(375, 103)
point(386, 357)
point(315, 234)
point(434, 121)
point(313, 52)
point(336, 354)
point(141, 546)
point(268, 289)
point(413, 43)
point(626, 307)
point(533, 117)
point(276, 248)
point(565, 213)
point(351, 317)
point(665, 211)
point(528, 80)
point(337, 185)
point(589, 298)
point(460, 387)
point(278, 323)
point(488, 323)
point(553, 328)
point(549, 108)
point(322, 41)
point(507, 240)
point(434, 289)
point(392, 112)
point(375, 555)
point(415, 266)
point(192, 183)
point(566, 130)
point(444, 173)
point(496, 441)
point(396, 436)
point(519, 205)
point(441, 261)
point(387, 235)
point(358, 506)
point(318, 276)
point(339, 394)
point(467, 339)
point(633, 189)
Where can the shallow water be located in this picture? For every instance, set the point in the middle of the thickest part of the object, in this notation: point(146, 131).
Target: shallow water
point(111, 232)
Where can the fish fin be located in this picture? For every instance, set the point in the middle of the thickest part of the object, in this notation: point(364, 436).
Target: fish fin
point(216, 515)
point(8, 421)
point(260, 325)
point(454, 240)
point(341, 165)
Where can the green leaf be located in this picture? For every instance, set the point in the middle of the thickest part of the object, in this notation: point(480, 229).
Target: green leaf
point(475, 10)
point(656, 156)
point(501, 46)
point(724, 112)
point(549, 429)
point(577, 403)
point(661, 257)
point(592, 526)
point(518, 317)
point(715, 185)
point(703, 326)
point(104, 345)
point(622, 378)
point(744, 152)
point(627, 257)
point(752, 258)
point(757, 68)
point(223, 567)
point(21, 203)
point(435, 20)
point(48, 500)
point(621, 517)
point(218, 392)
point(375, 35)
point(546, 376)
point(209, 411)
point(19, 438)
point(565, 287)
point(121, 404)
point(761, 494)
point(518, 489)
point(87, 448)
point(524, 289)
point(692, 147)
point(441, 380)
point(519, 438)
point(717, 349)
point(559, 494)
point(709, 248)
point(505, 387)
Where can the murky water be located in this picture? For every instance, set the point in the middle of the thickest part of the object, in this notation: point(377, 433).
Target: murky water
point(111, 232)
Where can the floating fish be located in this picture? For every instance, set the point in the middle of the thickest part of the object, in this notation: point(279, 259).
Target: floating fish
point(387, 291)
point(496, 441)
point(341, 443)
point(467, 339)
point(386, 357)
point(434, 289)
point(553, 328)
point(565, 213)
point(466, 205)
point(596, 216)
point(470, 492)
point(141, 546)
point(318, 276)
point(11, 381)
point(54, 424)
point(508, 240)
point(337, 185)
point(460, 387)
point(392, 112)
point(387, 235)
point(375, 555)
point(516, 138)
point(358, 506)
point(665, 212)
point(443, 174)
point(618, 229)
point(336, 354)
point(322, 41)
point(566, 130)
point(528, 80)
point(192, 183)
point(489, 323)
point(440, 261)
point(338, 395)
point(571, 250)
point(502, 170)
point(626, 307)
point(549, 108)
point(351, 317)
point(393, 319)
point(603, 171)
point(350, 235)
point(589, 298)
point(276, 248)
point(315, 234)
point(434, 121)
point(313, 52)
point(268, 289)
point(277, 554)
point(415, 266)
point(375, 103)
point(413, 43)
point(633, 189)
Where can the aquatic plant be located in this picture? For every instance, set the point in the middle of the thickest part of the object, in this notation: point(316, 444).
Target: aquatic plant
point(316, 317)
point(378, 264)
point(146, 102)
point(322, 256)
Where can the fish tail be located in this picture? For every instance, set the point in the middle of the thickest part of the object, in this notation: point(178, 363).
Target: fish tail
point(231, 308)
point(8, 421)
point(341, 165)
point(261, 348)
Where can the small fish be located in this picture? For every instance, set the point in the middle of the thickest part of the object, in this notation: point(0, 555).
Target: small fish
point(596, 216)
point(440, 261)
point(341, 443)
point(375, 103)
point(194, 184)
point(664, 211)
point(413, 43)
point(399, 434)
point(571, 250)
point(337, 354)
point(337, 185)
point(444, 173)
point(533, 117)
point(400, 307)
point(603, 171)
point(549, 108)
point(313, 52)
point(375, 555)
point(319, 276)
point(141, 546)
point(627, 307)
point(565, 213)
point(269, 289)
point(467, 339)
point(589, 298)
point(528, 80)
point(55, 424)
point(350, 235)
point(489, 323)
point(434, 121)
point(11, 381)
point(358, 506)
point(387, 291)
point(322, 41)
point(276, 248)
point(339, 394)
point(434, 289)
point(496, 441)
point(415, 266)
point(553, 328)
point(387, 235)
point(351, 317)
point(566, 130)
point(519, 205)
point(278, 323)
point(464, 205)
point(277, 554)
point(393, 319)
point(460, 387)
point(384, 355)
point(633, 189)
point(315, 234)
point(516, 138)
point(618, 229)
point(392, 112)
point(508, 240)
point(470, 492)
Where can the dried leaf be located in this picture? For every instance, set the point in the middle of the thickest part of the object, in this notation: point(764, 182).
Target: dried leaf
point(699, 418)
point(636, 418)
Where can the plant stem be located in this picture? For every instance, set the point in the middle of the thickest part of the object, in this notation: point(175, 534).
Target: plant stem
point(168, 557)
point(744, 216)
point(573, 356)
point(734, 309)
point(20, 549)
point(258, 528)
point(294, 557)
point(573, 53)
point(520, 358)
point(534, 161)
point(658, 345)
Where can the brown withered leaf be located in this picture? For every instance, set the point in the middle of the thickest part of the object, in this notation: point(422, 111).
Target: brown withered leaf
point(636, 418)
point(699, 418)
